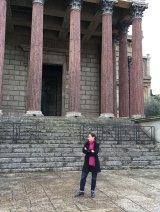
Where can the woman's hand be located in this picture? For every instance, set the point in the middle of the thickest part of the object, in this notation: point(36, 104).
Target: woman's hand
point(85, 148)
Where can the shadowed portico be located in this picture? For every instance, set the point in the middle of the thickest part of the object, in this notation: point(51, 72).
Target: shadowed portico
point(76, 24)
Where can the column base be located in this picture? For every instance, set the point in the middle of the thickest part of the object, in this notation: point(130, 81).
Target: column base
point(33, 113)
point(106, 115)
point(123, 117)
point(73, 114)
point(1, 113)
point(137, 116)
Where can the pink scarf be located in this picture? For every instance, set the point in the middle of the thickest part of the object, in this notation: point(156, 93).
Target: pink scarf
point(92, 161)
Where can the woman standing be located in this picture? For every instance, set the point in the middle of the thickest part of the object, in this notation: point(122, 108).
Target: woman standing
point(91, 164)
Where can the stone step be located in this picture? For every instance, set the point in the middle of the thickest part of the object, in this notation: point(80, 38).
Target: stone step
point(56, 144)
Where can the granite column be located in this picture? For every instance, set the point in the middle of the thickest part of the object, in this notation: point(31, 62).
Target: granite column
point(74, 58)
point(123, 72)
point(136, 74)
point(107, 60)
point(3, 8)
point(36, 59)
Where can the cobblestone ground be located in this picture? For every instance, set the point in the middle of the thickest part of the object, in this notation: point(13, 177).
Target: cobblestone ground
point(136, 190)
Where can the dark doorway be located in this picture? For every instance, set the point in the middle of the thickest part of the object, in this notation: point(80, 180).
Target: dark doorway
point(51, 104)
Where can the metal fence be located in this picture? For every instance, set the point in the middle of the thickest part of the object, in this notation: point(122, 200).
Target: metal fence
point(120, 133)
point(18, 131)
point(14, 131)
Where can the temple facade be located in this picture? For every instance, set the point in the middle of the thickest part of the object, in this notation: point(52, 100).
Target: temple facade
point(72, 58)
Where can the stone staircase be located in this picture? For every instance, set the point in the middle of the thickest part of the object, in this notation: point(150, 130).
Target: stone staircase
point(49, 143)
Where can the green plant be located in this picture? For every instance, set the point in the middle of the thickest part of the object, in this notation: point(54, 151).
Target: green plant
point(152, 107)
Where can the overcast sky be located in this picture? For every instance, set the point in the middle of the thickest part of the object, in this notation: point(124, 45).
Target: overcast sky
point(151, 41)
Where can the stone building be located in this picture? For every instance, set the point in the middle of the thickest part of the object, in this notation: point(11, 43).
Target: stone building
point(146, 77)
point(146, 72)
point(59, 58)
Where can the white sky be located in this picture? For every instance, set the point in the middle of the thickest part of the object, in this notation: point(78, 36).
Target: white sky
point(151, 41)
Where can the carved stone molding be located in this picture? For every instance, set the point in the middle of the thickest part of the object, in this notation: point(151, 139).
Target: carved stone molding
point(76, 4)
point(138, 9)
point(107, 6)
point(39, 1)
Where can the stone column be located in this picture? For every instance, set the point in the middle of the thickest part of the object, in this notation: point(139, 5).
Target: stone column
point(107, 60)
point(3, 8)
point(136, 75)
point(115, 41)
point(129, 73)
point(36, 59)
point(123, 72)
point(74, 58)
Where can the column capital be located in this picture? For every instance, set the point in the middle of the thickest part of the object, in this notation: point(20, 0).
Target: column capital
point(138, 9)
point(107, 6)
point(123, 27)
point(39, 1)
point(76, 4)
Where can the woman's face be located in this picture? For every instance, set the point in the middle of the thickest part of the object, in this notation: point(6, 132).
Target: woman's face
point(90, 138)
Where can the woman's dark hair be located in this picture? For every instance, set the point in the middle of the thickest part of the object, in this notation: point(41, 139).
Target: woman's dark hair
point(92, 134)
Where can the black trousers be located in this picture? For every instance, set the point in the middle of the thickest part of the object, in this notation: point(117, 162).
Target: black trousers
point(83, 180)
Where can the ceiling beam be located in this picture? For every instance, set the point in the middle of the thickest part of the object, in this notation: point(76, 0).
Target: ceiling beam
point(92, 27)
point(51, 10)
point(24, 19)
point(10, 26)
point(65, 25)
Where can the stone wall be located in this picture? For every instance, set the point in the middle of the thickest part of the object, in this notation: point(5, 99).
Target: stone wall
point(55, 52)
point(14, 80)
point(90, 83)
point(153, 121)
point(16, 73)
point(51, 144)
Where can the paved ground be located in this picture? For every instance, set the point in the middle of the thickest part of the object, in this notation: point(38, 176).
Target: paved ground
point(136, 190)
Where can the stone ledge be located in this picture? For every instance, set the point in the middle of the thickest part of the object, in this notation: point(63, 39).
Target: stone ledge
point(146, 119)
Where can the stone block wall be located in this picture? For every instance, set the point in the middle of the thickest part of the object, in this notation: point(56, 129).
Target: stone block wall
point(14, 81)
point(16, 74)
point(55, 52)
point(90, 83)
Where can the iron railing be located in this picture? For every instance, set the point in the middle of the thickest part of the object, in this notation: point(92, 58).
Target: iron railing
point(120, 133)
point(16, 131)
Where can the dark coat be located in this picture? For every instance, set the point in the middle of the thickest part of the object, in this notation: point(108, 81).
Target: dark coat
point(88, 153)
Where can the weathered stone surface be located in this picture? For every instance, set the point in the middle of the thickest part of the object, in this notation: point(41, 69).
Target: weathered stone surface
point(107, 66)
point(62, 148)
point(138, 191)
point(36, 59)
point(136, 74)
point(3, 8)
point(123, 75)
point(74, 61)
point(114, 78)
